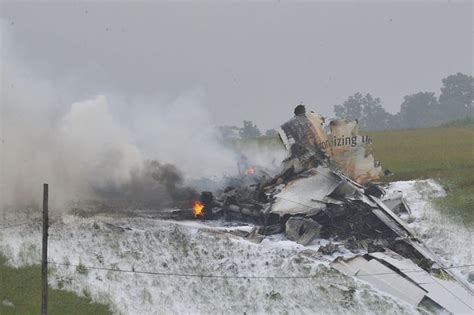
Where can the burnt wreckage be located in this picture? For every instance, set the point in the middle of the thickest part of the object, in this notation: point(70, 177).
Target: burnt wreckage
point(326, 190)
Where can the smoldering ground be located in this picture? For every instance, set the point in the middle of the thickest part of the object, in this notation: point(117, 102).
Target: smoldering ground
point(155, 186)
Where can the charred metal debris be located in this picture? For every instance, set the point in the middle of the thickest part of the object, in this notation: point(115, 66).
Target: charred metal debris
point(326, 190)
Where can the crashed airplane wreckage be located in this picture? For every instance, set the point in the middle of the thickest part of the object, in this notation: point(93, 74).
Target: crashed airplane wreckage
point(325, 191)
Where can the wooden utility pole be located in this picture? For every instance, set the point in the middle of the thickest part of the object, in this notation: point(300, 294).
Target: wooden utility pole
point(44, 264)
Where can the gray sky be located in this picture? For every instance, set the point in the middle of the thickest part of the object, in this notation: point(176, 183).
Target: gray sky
point(247, 60)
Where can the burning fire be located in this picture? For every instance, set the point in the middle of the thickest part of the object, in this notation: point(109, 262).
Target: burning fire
point(198, 208)
point(250, 171)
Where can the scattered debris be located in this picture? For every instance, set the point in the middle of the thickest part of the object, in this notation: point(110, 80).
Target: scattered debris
point(397, 204)
point(302, 230)
point(404, 279)
point(326, 190)
point(254, 236)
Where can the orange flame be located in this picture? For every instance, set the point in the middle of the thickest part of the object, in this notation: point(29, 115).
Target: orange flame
point(198, 208)
point(250, 171)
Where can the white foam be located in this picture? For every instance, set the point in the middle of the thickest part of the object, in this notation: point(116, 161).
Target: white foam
point(192, 247)
point(185, 247)
point(447, 236)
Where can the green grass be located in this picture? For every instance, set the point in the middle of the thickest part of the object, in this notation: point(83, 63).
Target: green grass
point(445, 154)
point(22, 288)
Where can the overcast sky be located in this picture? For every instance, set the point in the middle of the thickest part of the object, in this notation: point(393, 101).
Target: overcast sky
point(246, 60)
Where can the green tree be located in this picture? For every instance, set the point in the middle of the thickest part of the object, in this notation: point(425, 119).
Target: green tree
point(249, 131)
point(455, 100)
point(374, 116)
point(351, 108)
point(366, 109)
point(419, 110)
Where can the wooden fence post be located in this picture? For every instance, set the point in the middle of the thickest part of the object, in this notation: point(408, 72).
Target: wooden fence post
point(44, 262)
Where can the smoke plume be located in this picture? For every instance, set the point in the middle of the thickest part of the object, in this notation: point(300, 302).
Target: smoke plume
point(85, 154)
point(142, 156)
point(151, 153)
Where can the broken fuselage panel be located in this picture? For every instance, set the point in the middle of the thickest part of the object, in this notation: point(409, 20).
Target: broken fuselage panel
point(344, 147)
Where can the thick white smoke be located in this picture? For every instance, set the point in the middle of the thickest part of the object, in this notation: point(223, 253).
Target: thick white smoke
point(101, 145)
point(93, 146)
point(85, 147)
point(183, 133)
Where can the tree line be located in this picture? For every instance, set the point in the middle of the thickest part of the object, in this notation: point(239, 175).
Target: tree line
point(419, 110)
point(249, 130)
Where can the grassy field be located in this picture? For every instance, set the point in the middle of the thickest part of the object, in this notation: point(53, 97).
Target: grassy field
point(445, 154)
point(20, 293)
